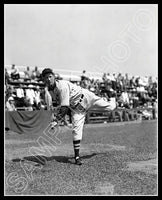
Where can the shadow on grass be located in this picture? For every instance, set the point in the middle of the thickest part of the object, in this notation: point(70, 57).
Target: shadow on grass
point(42, 160)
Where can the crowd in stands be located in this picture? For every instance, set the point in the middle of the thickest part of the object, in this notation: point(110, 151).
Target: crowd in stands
point(128, 92)
point(28, 98)
point(23, 95)
point(124, 88)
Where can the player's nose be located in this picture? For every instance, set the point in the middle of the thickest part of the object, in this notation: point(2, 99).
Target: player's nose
point(48, 78)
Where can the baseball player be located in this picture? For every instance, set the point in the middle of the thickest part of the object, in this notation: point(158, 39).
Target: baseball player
point(79, 100)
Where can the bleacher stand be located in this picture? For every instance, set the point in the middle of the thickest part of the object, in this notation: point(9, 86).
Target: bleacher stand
point(130, 93)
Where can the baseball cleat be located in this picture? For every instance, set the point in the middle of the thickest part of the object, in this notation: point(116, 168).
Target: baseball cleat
point(78, 161)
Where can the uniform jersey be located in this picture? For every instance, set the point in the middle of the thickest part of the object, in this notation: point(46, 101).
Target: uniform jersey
point(68, 93)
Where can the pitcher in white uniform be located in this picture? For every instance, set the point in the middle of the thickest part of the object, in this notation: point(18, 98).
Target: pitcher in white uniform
point(79, 100)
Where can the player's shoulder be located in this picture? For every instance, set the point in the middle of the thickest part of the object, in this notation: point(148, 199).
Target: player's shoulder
point(62, 83)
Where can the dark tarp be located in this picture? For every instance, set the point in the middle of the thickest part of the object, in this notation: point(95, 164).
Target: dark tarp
point(27, 121)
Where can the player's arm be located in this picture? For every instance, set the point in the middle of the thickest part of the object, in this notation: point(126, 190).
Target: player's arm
point(58, 115)
point(62, 111)
point(64, 96)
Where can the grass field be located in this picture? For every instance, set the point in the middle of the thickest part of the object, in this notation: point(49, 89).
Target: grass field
point(118, 159)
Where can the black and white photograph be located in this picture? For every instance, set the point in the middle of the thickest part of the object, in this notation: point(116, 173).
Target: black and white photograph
point(81, 99)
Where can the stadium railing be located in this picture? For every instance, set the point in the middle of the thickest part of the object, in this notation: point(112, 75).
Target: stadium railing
point(116, 115)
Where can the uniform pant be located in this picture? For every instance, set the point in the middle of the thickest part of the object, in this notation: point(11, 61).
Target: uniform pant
point(90, 100)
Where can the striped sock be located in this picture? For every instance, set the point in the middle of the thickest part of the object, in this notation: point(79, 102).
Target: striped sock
point(76, 145)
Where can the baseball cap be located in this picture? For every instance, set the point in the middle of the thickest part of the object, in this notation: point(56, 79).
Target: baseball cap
point(47, 71)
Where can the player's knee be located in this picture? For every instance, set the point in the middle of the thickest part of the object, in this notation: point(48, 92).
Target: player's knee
point(77, 135)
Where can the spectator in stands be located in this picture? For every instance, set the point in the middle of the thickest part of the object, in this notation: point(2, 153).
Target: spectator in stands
point(140, 88)
point(109, 81)
point(97, 87)
point(145, 81)
point(30, 95)
point(115, 113)
point(154, 90)
point(20, 92)
point(10, 104)
point(107, 85)
point(140, 81)
point(149, 90)
point(119, 82)
point(130, 103)
point(10, 91)
point(135, 99)
point(132, 82)
point(123, 83)
point(113, 81)
point(19, 99)
point(43, 106)
point(108, 77)
point(36, 74)
point(125, 98)
point(146, 97)
point(149, 104)
point(126, 82)
point(92, 85)
point(37, 98)
point(27, 104)
point(142, 94)
point(147, 114)
point(104, 77)
point(84, 76)
point(112, 96)
point(155, 109)
point(150, 81)
point(85, 81)
point(137, 81)
point(28, 73)
point(15, 73)
point(6, 77)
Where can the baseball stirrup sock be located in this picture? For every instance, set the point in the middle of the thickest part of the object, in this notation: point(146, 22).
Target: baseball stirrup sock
point(76, 145)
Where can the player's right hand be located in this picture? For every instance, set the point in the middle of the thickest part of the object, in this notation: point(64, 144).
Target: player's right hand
point(53, 124)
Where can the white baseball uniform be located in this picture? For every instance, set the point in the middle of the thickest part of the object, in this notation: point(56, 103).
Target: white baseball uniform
point(79, 100)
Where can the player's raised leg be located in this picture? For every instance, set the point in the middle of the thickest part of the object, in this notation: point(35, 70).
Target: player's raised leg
point(101, 104)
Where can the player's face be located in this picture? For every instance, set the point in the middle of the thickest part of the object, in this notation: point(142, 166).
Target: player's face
point(49, 79)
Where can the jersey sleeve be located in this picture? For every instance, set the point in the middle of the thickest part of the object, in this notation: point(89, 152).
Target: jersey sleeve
point(64, 94)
